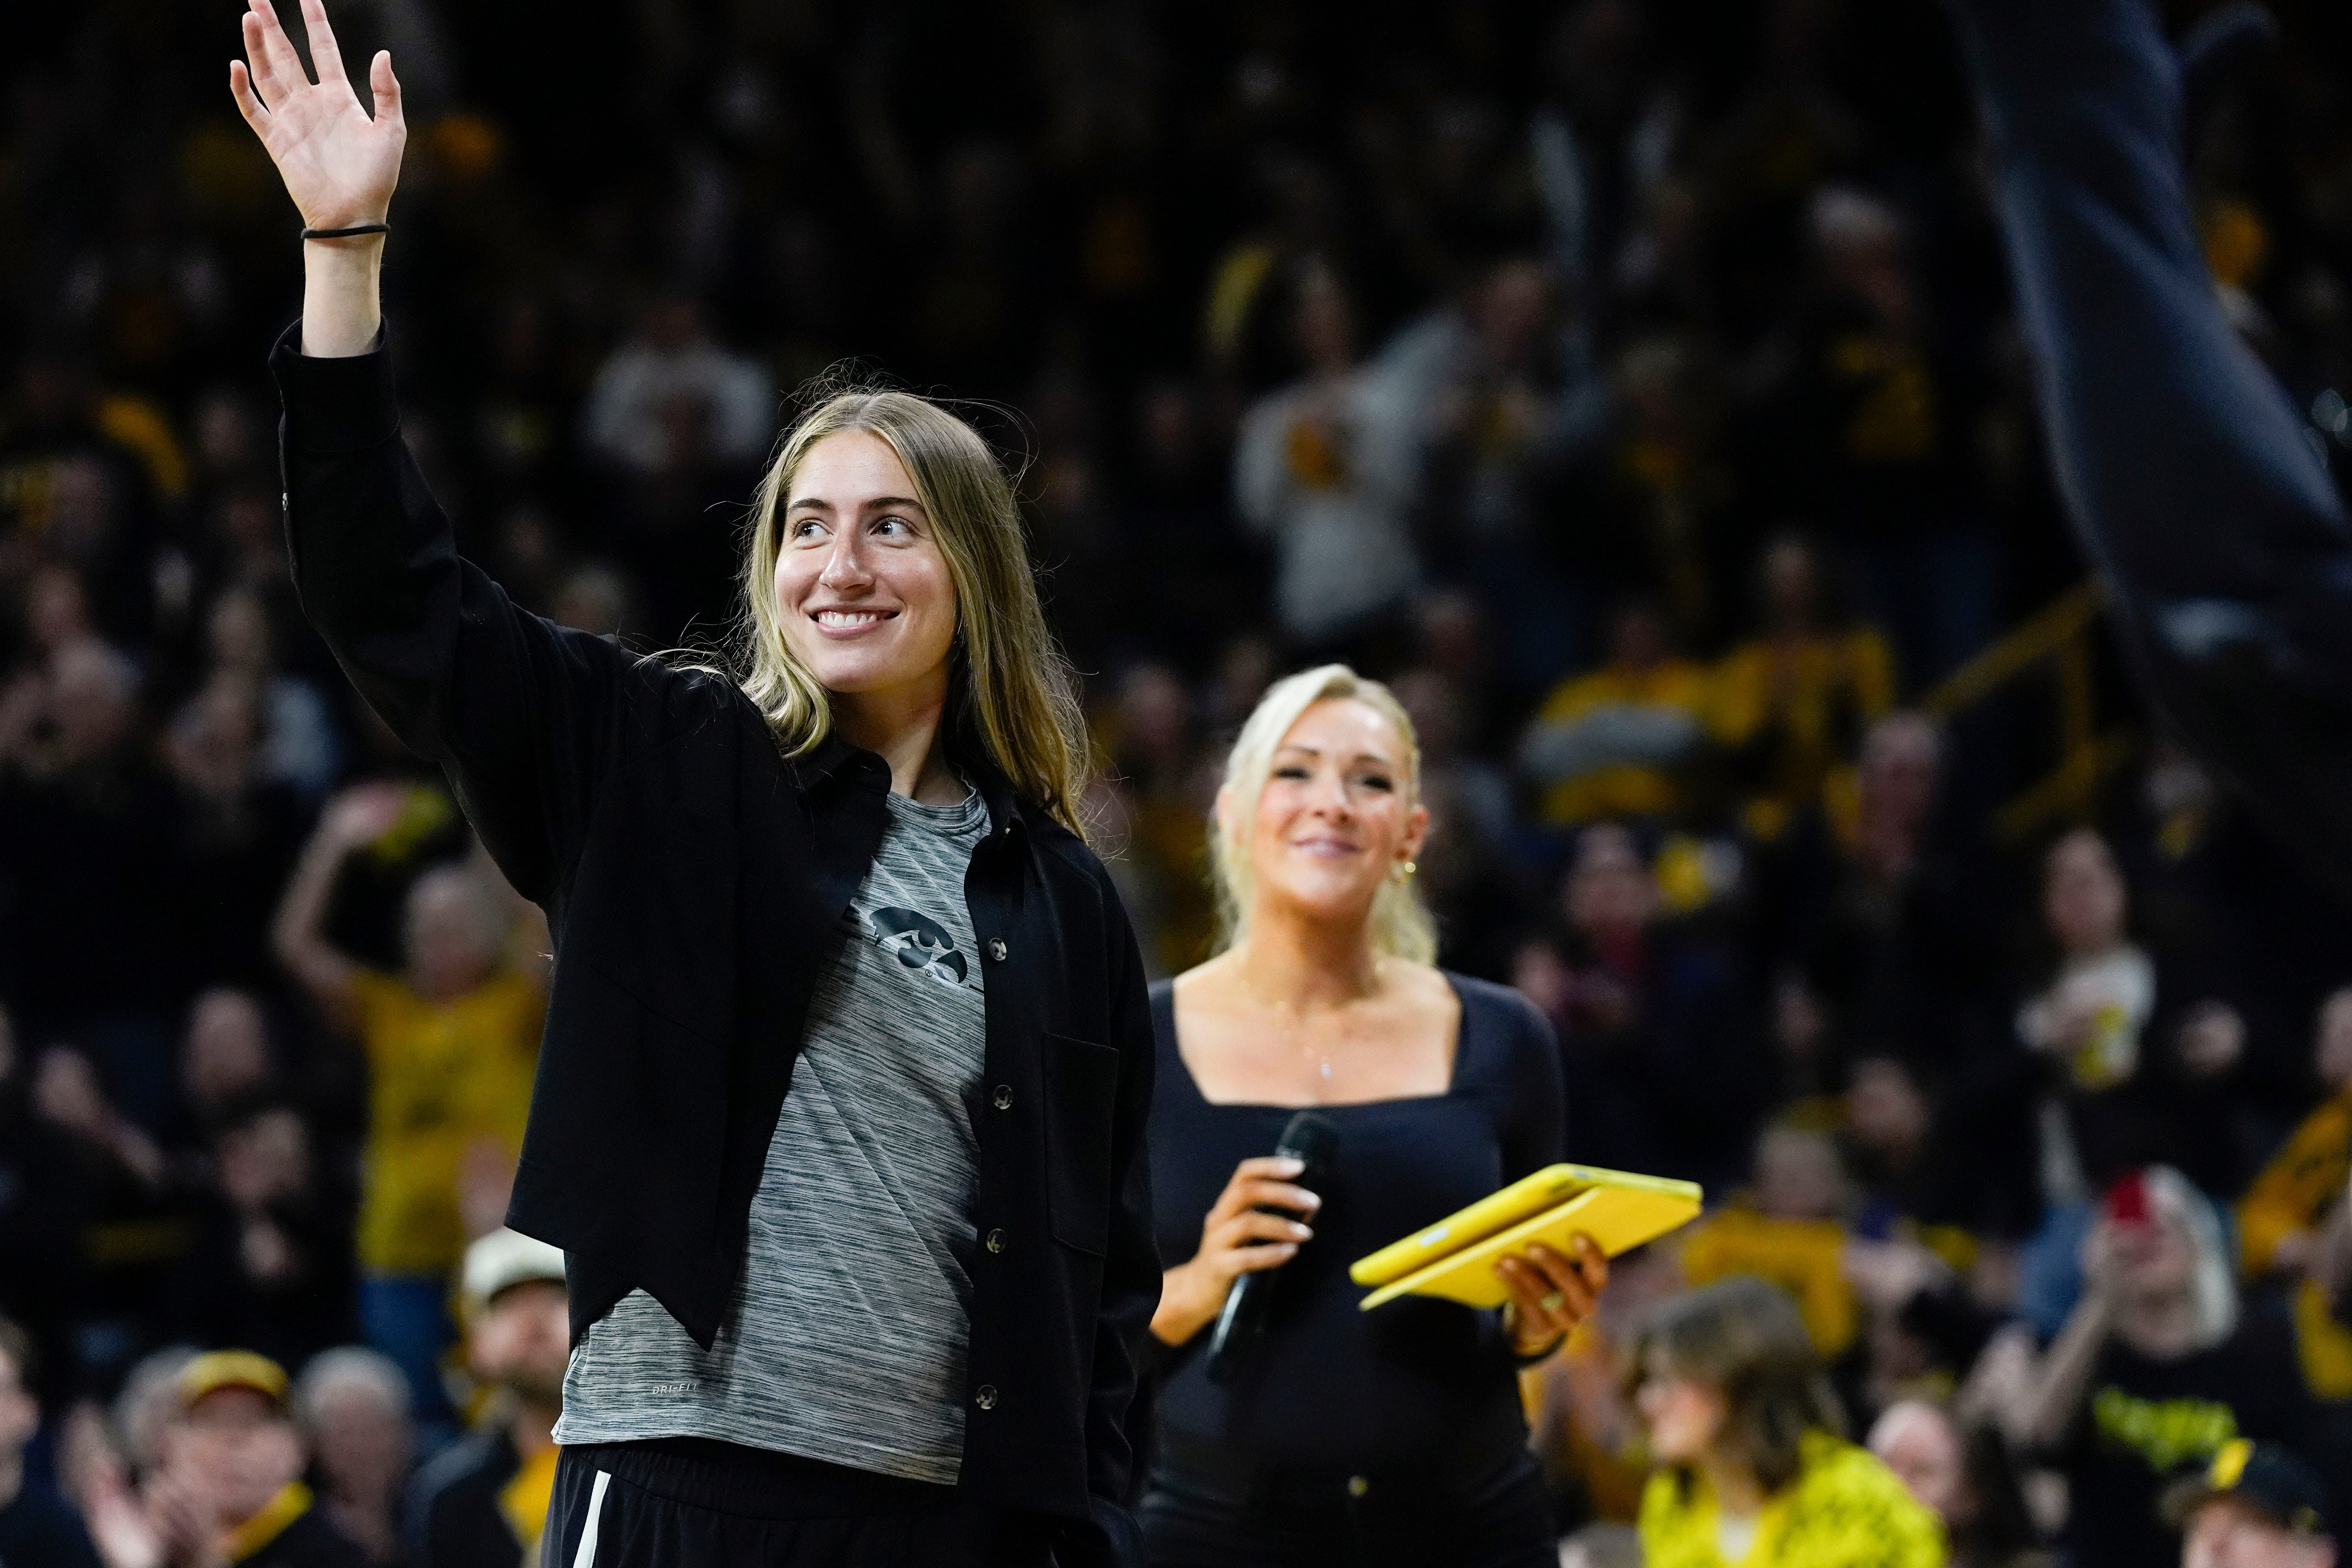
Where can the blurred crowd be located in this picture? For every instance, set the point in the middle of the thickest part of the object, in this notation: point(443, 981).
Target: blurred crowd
point(1631, 382)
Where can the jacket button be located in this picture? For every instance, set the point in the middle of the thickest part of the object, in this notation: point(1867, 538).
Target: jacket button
point(1003, 1098)
point(1358, 1486)
point(985, 1396)
point(996, 948)
point(995, 1241)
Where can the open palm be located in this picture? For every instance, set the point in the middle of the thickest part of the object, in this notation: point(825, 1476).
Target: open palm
point(339, 165)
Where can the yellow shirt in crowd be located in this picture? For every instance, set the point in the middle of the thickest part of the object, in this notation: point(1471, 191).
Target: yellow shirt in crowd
point(445, 1075)
point(1806, 1258)
point(1622, 789)
point(1844, 1510)
point(2295, 1188)
point(1818, 693)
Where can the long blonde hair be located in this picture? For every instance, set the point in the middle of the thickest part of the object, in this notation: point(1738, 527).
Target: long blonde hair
point(1402, 926)
point(1011, 688)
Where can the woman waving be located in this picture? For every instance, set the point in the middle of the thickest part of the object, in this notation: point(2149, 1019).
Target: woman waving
point(840, 1106)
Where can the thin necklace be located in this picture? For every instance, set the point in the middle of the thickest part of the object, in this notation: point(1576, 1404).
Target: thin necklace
point(1286, 1020)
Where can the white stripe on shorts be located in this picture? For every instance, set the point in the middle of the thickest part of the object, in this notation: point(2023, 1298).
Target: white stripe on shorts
point(586, 1556)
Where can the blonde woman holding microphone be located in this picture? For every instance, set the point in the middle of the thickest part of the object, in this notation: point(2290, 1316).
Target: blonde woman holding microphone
point(1293, 1430)
point(840, 1107)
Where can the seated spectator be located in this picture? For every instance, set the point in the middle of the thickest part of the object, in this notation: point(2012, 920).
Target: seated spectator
point(2153, 1370)
point(634, 416)
point(1584, 1430)
point(1872, 911)
point(1890, 1130)
point(1965, 1475)
point(1324, 469)
point(270, 1266)
point(226, 1485)
point(2279, 1218)
point(354, 1406)
point(86, 842)
point(1793, 702)
point(2256, 1506)
point(40, 1204)
point(36, 1526)
point(237, 833)
point(2086, 1026)
point(1169, 779)
point(451, 1040)
point(1616, 742)
point(300, 744)
point(1788, 1229)
point(226, 1056)
point(1753, 1465)
point(483, 1503)
point(132, 1228)
point(1662, 1070)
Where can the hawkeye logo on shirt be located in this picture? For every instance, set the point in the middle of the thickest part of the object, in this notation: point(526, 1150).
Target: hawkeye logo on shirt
point(2166, 1433)
point(920, 943)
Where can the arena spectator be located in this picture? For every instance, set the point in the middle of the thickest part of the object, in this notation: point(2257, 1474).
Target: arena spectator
point(1619, 741)
point(236, 832)
point(2256, 1506)
point(299, 746)
point(1753, 1465)
point(1788, 1228)
point(353, 1404)
point(671, 393)
point(227, 1482)
point(2278, 1218)
point(36, 1527)
point(268, 1266)
point(1660, 1064)
point(1793, 703)
point(1585, 1429)
point(1325, 469)
point(451, 1040)
point(2086, 1026)
point(483, 1503)
point(40, 1199)
point(86, 844)
point(2154, 1369)
point(226, 1056)
point(1964, 1475)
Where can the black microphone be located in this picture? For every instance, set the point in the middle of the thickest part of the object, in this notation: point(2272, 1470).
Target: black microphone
point(1310, 1139)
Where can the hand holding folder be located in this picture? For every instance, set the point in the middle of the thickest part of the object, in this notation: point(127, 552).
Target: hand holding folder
point(1455, 1257)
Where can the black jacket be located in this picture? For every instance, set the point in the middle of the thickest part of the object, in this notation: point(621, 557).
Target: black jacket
point(693, 879)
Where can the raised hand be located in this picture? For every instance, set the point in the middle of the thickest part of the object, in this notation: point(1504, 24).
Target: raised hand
point(339, 165)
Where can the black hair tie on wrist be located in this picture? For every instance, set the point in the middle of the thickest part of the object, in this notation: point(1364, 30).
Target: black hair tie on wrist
point(356, 229)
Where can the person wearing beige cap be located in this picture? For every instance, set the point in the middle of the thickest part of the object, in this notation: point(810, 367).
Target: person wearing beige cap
point(228, 1488)
point(483, 1503)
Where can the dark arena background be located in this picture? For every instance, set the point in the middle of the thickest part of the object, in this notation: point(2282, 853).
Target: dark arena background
point(1635, 385)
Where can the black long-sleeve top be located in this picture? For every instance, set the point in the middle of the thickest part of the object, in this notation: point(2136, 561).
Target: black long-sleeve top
point(2212, 522)
point(694, 878)
point(1328, 1385)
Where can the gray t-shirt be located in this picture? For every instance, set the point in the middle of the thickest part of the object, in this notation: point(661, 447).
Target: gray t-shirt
point(847, 1335)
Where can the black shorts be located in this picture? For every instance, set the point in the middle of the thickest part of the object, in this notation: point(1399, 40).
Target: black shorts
point(685, 1502)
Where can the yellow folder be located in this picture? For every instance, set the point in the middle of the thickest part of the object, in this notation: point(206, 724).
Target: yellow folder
point(1454, 1258)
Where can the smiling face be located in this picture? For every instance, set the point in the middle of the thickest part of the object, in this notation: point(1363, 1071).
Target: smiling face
point(863, 589)
point(1335, 817)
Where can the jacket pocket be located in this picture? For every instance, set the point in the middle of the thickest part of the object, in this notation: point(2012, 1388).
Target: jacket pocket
point(1081, 1096)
